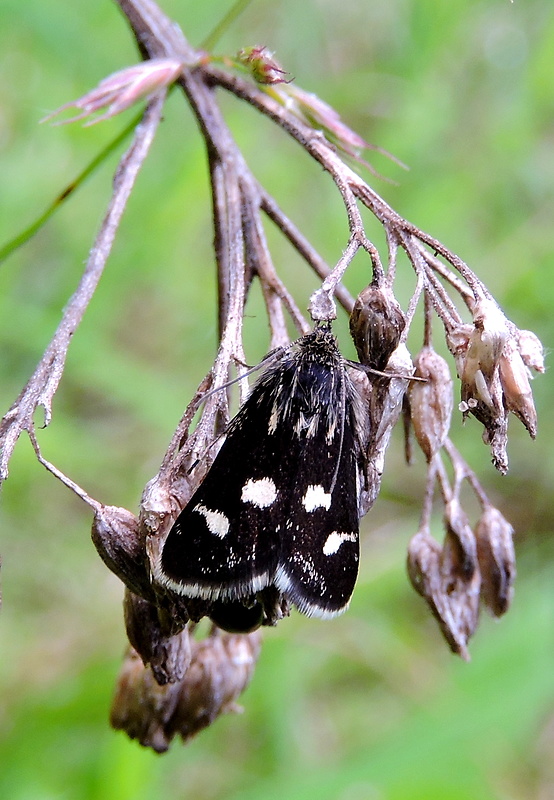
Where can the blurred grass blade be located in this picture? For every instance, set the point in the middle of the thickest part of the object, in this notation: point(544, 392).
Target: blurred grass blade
point(212, 38)
point(35, 226)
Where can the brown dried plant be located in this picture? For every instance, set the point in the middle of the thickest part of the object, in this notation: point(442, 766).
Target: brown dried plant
point(172, 683)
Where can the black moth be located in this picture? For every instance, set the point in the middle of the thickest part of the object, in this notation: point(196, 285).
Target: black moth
point(275, 521)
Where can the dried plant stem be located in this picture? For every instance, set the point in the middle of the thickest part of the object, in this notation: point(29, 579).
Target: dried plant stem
point(44, 382)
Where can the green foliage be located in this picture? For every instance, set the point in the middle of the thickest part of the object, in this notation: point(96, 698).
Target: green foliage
point(370, 706)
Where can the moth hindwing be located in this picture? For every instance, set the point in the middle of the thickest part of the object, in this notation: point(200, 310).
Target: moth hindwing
point(278, 509)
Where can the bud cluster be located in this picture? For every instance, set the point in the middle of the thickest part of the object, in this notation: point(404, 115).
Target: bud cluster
point(473, 566)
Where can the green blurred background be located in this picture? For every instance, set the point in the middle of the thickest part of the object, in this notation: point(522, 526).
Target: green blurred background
point(371, 706)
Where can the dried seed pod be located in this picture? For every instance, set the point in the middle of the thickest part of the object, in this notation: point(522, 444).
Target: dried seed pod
point(220, 669)
point(431, 401)
point(167, 652)
point(461, 575)
point(376, 325)
point(424, 554)
point(514, 378)
point(495, 551)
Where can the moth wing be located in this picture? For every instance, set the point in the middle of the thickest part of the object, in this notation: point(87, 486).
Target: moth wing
point(318, 561)
point(222, 545)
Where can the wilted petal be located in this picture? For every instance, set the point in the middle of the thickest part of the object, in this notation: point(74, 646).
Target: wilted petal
point(490, 334)
point(531, 350)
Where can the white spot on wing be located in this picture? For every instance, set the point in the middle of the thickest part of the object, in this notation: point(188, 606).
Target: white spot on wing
point(217, 522)
point(261, 493)
point(334, 541)
point(316, 497)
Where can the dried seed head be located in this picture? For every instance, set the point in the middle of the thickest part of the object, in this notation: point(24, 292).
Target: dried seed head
point(451, 607)
point(141, 707)
point(376, 325)
point(221, 668)
point(424, 554)
point(495, 551)
point(431, 401)
point(167, 652)
point(460, 548)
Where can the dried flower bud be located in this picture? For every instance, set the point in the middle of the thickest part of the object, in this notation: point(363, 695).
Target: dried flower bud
point(460, 547)
point(518, 396)
point(141, 707)
point(424, 554)
point(124, 88)
point(376, 325)
point(531, 350)
point(221, 668)
point(167, 652)
point(431, 401)
point(495, 551)
point(263, 68)
point(120, 544)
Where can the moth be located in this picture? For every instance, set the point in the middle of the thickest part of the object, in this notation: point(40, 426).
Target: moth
point(275, 521)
